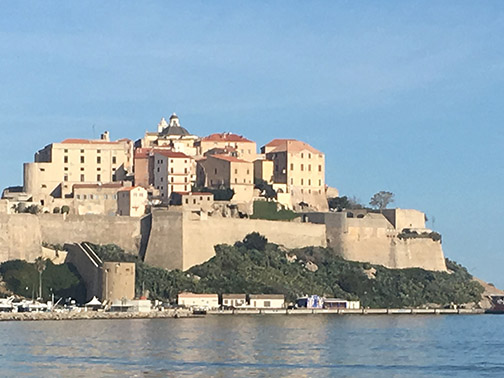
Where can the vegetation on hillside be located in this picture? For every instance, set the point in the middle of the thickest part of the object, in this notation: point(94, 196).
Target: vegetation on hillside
point(22, 278)
point(256, 266)
point(268, 210)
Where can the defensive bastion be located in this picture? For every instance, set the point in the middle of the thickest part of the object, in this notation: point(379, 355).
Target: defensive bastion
point(180, 240)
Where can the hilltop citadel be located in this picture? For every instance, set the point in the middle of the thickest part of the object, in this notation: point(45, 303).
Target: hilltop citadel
point(171, 196)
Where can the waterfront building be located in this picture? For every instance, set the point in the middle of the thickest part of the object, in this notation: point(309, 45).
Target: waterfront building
point(118, 281)
point(299, 170)
point(208, 301)
point(58, 166)
point(234, 300)
point(267, 300)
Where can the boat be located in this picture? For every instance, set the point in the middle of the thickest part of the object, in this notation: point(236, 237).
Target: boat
point(497, 302)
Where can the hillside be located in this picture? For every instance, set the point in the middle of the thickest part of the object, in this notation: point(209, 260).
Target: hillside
point(255, 266)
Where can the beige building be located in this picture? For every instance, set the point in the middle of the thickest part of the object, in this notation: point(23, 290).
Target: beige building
point(96, 198)
point(132, 201)
point(192, 200)
point(173, 172)
point(59, 166)
point(208, 301)
point(263, 170)
point(143, 167)
point(267, 300)
point(170, 135)
point(234, 300)
point(118, 281)
point(245, 149)
point(223, 171)
point(298, 169)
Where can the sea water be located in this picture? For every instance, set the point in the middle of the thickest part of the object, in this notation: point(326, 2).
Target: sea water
point(257, 345)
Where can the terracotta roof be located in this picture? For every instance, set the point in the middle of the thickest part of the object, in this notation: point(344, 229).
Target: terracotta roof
point(142, 153)
point(291, 145)
point(194, 193)
point(109, 185)
point(89, 141)
point(234, 296)
point(266, 296)
point(128, 188)
point(171, 154)
point(231, 159)
point(226, 137)
point(198, 295)
point(277, 142)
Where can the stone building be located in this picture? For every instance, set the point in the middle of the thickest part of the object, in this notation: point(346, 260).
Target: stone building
point(173, 172)
point(59, 166)
point(118, 281)
point(224, 171)
point(299, 170)
point(244, 148)
point(98, 199)
point(192, 200)
point(170, 135)
point(132, 201)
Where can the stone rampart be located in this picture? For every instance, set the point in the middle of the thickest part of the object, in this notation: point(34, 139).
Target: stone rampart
point(97, 229)
point(20, 237)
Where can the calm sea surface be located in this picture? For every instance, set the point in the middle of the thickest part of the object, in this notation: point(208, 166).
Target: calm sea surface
point(274, 345)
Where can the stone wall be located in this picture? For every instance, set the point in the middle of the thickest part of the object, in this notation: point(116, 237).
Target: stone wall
point(20, 237)
point(200, 236)
point(97, 229)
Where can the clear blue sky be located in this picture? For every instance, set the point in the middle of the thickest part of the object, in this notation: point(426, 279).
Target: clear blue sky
point(401, 96)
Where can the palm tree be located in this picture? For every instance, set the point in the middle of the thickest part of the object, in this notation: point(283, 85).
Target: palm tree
point(40, 264)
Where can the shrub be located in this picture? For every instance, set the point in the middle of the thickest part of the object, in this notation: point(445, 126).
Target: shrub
point(65, 209)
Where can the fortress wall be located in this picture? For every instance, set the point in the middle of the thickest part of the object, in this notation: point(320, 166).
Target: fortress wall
point(97, 229)
point(200, 236)
point(164, 248)
point(20, 237)
point(413, 253)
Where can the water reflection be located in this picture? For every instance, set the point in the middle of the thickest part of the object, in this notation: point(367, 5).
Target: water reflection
point(321, 345)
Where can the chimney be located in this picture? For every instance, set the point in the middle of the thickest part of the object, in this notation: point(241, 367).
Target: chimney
point(105, 136)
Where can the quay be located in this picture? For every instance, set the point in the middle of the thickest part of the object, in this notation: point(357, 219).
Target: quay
point(88, 315)
point(362, 311)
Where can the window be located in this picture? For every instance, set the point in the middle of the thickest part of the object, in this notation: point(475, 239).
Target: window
point(44, 186)
point(98, 159)
point(292, 167)
point(309, 167)
point(78, 196)
point(185, 170)
point(114, 160)
point(215, 171)
point(236, 180)
point(171, 179)
point(161, 179)
point(248, 171)
point(82, 151)
point(236, 171)
point(309, 156)
point(194, 201)
point(82, 159)
point(302, 156)
point(187, 200)
point(42, 169)
point(320, 168)
point(320, 182)
point(98, 151)
point(302, 167)
point(185, 161)
point(185, 179)
point(65, 178)
point(82, 169)
point(105, 196)
point(98, 169)
point(65, 151)
point(309, 182)
point(171, 161)
point(65, 159)
point(292, 181)
point(65, 169)
point(301, 181)
point(82, 178)
point(85, 196)
point(171, 170)
point(91, 196)
point(98, 177)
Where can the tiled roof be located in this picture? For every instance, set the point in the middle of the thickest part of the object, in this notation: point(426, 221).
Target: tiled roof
point(109, 185)
point(142, 153)
point(89, 141)
point(291, 145)
point(226, 137)
point(231, 159)
point(171, 154)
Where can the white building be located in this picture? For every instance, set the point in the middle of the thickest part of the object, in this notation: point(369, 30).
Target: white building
point(267, 300)
point(208, 301)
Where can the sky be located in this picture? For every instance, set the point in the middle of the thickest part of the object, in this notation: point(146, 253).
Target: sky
point(400, 96)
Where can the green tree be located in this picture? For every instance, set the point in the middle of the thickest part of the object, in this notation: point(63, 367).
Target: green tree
point(40, 265)
point(266, 189)
point(256, 241)
point(381, 200)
